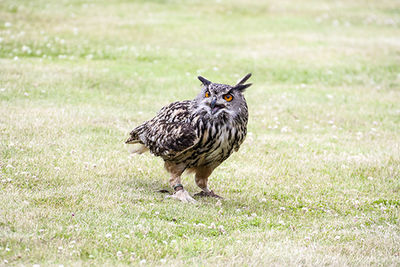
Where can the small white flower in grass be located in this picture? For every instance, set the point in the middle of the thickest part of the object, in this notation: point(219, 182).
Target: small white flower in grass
point(238, 210)
point(285, 129)
point(282, 208)
point(370, 178)
point(15, 58)
point(60, 248)
point(212, 226)
point(5, 261)
point(36, 265)
point(26, 49)
point(221, 229)
point(89, 57)
point(253, 214)
point(282, 222)
point(215, 68)
point(119, 254)
point(8, 249)
point(7, 24)
point(302, 85)
point(163, 260)
point(109, 235)
point(337, 237)
point(91, 256)
point(329, 96)
point(263, 199)
point(143, 261)
point(127, 236)
point(335, 23)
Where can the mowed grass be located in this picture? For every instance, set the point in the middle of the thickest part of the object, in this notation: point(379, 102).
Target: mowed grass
point(317, 181)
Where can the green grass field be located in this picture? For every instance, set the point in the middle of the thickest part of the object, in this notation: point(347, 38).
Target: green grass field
point(317, 181)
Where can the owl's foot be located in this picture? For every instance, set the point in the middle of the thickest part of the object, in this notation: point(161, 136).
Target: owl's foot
point(183, 196)
point(207, 194)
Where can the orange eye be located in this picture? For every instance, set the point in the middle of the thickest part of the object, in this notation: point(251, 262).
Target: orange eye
point(228, 97)
point(207, 94)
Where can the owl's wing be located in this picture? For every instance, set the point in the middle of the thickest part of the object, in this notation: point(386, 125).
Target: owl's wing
point(170, 132)
point(169, 139)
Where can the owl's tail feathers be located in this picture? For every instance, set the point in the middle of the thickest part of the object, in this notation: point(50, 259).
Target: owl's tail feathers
point(132, 140)
point(139, 147)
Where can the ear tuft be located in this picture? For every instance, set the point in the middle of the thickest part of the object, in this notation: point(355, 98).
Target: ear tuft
point(204, 80)
point(244, 79)
point(242, 87)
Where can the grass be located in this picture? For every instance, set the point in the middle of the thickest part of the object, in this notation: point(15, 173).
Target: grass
point(317, 181)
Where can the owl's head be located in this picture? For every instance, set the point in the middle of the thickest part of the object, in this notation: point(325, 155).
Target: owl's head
point(221, 99)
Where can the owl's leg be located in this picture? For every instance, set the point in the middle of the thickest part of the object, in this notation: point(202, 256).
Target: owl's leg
point(176, 171)
point(201, 178)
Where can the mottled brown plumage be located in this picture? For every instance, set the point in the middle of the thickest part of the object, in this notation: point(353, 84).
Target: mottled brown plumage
point(196, 135)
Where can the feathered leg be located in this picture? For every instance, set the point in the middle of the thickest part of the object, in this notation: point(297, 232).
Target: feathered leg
point(176, 171)
point(201, 178)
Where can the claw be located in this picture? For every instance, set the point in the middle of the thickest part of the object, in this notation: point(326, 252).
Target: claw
point(207, 194)
point(183, 196)
point(163, 191)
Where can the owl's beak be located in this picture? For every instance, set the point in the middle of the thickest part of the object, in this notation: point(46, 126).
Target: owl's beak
point(214, 106)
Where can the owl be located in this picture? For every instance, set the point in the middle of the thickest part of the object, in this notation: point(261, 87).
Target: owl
point(196, 135)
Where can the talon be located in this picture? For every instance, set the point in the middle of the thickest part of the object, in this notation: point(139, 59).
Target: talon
point(183, 196)
point(163, 191)
point(207, 194)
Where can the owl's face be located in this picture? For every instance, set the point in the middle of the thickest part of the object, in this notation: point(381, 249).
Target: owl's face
point(221, 99)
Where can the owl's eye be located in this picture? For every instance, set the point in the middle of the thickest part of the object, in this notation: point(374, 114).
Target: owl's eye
point(228, 97)
point(207, 94)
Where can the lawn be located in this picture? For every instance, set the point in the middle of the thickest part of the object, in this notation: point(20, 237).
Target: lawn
point(316, 182)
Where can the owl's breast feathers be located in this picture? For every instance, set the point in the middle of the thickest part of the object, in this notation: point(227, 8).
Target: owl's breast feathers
point(178, 133)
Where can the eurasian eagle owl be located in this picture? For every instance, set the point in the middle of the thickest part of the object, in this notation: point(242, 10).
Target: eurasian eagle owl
point(196, 135)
